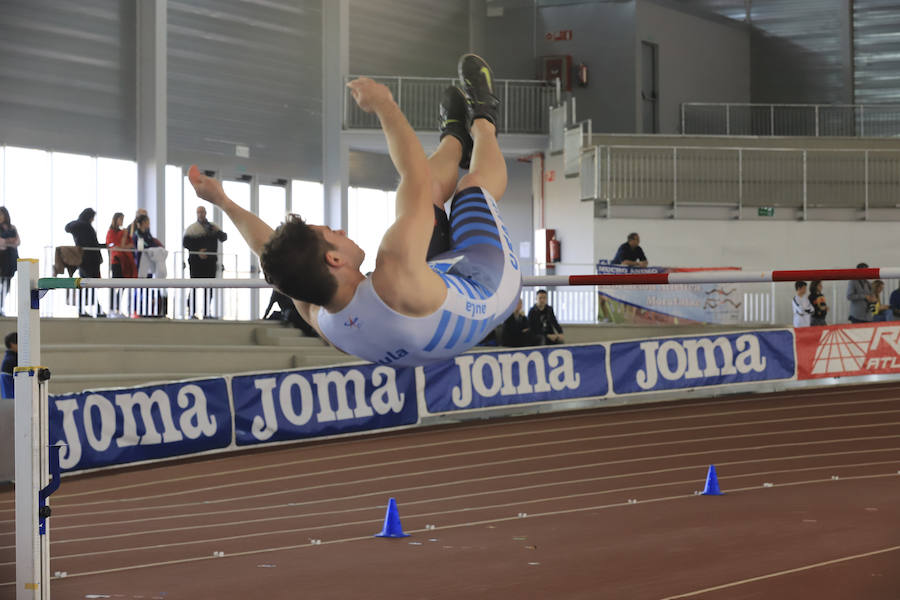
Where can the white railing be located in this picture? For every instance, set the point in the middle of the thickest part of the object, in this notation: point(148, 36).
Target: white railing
point(793, 178)
point(144, 303)
point(813, 120)
point(523, 108)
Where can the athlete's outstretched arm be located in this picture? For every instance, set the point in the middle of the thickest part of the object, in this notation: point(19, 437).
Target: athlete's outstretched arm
point(408, 238)
point(254, 229)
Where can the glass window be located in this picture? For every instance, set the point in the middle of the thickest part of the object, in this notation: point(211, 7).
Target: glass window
point(73, 188)
point(27, 194)
point(370, 213)
point(116, 192)
point(236, 251)
point(174, 222)
point(308, 201)
point(272, 208)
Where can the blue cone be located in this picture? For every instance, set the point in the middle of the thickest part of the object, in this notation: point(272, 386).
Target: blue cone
point(712, 483)
point(392, 527)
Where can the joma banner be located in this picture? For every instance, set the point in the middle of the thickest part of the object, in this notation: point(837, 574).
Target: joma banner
point(482, 380)
point(107, 427)
point(293, 405)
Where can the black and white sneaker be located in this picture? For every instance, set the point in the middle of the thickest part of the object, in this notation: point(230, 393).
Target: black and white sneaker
point(477, 81)
point(455, 121)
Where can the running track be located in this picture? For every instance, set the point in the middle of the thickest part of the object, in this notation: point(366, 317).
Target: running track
point(151, 532)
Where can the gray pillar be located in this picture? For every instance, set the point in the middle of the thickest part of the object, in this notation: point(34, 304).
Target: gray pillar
point(254, 260)
point(151, 112)
point(848, 54)
point(335, 151)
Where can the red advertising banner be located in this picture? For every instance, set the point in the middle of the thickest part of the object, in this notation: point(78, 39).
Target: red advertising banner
point(847, 350)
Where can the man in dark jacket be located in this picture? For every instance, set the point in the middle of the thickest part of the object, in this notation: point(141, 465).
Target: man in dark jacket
point(85, 237)
point(202, 239)
point(542, 321)
point(630, 253)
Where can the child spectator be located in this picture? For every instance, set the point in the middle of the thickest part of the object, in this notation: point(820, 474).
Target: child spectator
point(803, 310)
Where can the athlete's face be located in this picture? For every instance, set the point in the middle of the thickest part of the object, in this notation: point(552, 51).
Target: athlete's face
point(541, 301)
point(346, 247)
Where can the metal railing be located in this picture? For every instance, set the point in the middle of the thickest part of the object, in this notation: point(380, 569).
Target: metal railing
point(793, 178)
point(148, 303)
point(523, 108)
point(811, 120)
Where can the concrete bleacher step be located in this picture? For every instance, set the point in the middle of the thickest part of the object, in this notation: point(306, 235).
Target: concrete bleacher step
point(174, 358)
point(285, 336)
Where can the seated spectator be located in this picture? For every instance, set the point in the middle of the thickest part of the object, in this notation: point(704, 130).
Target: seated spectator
point(817, 300)
point(515, 332)
point(630, 253)
point(803, 310)
point(542, 322)
point(894, 302)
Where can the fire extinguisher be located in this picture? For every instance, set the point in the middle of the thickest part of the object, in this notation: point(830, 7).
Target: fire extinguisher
point(581, 75)
point(555, 250)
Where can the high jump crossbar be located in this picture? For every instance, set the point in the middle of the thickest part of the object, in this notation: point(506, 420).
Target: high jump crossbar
point(683, 277)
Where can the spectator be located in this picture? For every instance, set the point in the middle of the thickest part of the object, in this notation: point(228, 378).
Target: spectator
point(817, 300)
point(121, 262)
point(859, 293)
point(11, 358)
point(287, 313)
point(201, 240)
point(630, 253)
point(85, 238)
point(9, 254)
point(803, 310)
point(542, 322)
point(880, 312)
point(894, 302)
point(150, 302)
point(516, 332)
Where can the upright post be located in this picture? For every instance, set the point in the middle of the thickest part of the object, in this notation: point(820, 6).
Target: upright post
point(32, 549)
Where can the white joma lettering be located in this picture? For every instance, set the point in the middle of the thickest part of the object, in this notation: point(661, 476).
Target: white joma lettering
point(718, 355)
point(137, 410)
point(510, 374)
point(298, 398)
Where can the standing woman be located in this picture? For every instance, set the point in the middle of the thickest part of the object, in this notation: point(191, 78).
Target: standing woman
point(85, 237)
point(9, 255)
point(820, 307)
point(122, 263)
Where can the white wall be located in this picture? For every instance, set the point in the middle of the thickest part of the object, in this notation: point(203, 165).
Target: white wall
point(572, 219)
point(759, 246)
point(700, 60)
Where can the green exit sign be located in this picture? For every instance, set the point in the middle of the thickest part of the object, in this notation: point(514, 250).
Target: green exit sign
point(766, 211)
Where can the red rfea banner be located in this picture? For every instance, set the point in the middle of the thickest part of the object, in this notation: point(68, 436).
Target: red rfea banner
point(848, 350)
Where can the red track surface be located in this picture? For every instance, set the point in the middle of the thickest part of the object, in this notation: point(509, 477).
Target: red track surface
point(151, 533)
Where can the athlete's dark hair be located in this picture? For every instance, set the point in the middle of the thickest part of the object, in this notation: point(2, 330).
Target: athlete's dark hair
point(293, 260)
point(799, 284)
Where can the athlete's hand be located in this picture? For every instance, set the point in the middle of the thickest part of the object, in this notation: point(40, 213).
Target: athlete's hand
point(208, 188)
point(369, 94)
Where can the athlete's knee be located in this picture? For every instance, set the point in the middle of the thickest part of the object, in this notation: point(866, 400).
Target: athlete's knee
point(476, 180)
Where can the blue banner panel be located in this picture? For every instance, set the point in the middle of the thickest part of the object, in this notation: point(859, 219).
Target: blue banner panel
point(109, 427)
point(316, 402)
point(675, 363)
point(516, 377)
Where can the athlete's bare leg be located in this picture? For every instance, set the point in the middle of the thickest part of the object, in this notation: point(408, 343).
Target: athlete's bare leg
point(488, 168)
point(444, 169)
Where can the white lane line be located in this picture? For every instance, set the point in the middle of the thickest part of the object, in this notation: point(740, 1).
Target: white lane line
point(460, 440)
point(785, 572)
point(450, 526)
point(695, 482)
point(526, 446)
point(169, 507)
point(600, 412)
